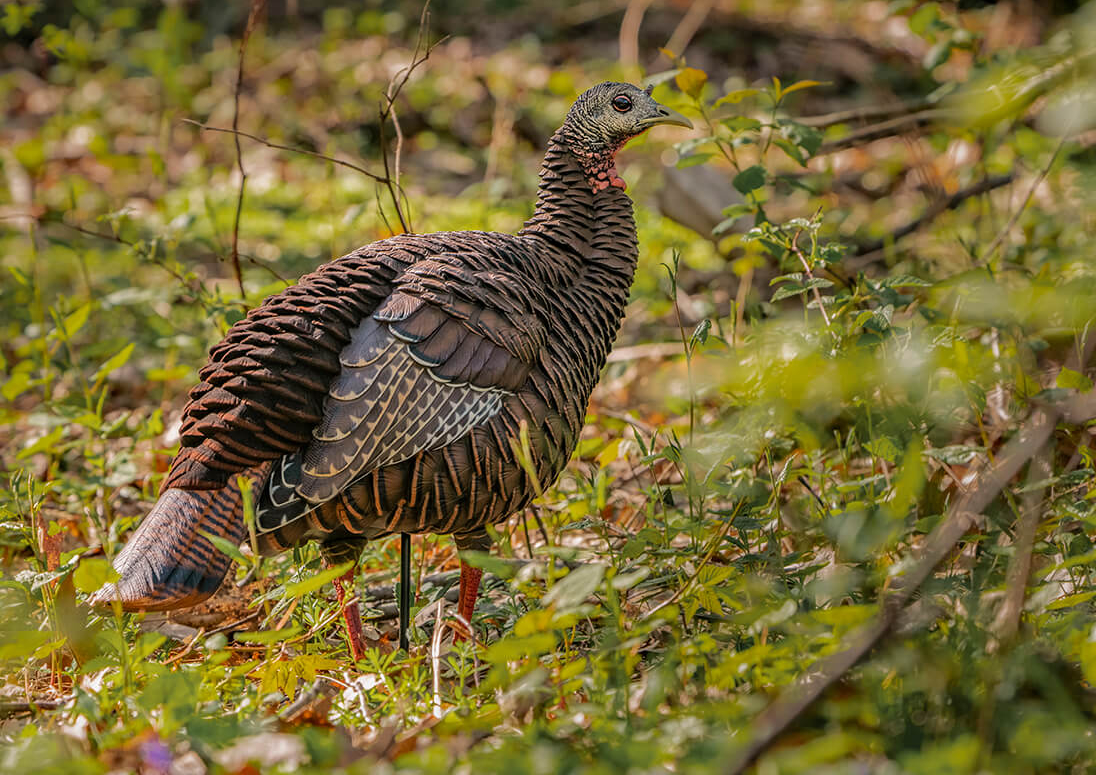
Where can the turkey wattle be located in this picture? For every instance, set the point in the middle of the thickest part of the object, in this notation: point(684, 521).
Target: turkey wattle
point(382, 392)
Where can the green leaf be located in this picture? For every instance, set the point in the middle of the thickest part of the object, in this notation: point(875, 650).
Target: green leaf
point(736, 96)
point(314, 582)
point(268, 637)
point(488, 563)
point(740, 124)
point(734, 213)
point(1071, 600)
point(691, 81)
point(116, 361)
point(806, 137)
point(72, 323)
point(18, 384)
point(224, 546)
point(924, 16)
point(573, 589)
point(791, 150)
point(799, 85)
point(693, 160)
point(516, 649)
point(20, 643)
point(623, 581)
point(92, 573)
point(750, 179)
point(883, 447)
point(1068, 378)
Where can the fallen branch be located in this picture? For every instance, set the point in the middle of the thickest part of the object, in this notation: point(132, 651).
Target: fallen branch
point(1007, 622)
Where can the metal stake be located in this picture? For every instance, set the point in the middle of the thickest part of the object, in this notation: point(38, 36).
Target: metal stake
point(405, 589)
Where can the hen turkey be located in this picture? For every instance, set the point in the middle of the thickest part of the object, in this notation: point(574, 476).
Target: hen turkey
point(384, 391)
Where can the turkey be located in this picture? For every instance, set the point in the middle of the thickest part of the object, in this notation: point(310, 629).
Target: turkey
point(382, 393)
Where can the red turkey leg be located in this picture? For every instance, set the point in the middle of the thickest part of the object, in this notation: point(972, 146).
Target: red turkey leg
point(352, 615)
point(469, 590)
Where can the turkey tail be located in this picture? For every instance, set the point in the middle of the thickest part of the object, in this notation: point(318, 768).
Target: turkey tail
point(170, 562)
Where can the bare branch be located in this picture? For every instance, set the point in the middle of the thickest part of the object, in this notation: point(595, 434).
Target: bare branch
point(888, 128)
point(826, 120)
point(872, 250)
point(391, 179)
point(256, 10)
point(290, 148)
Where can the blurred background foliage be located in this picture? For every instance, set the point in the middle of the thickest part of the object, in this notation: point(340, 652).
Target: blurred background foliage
point(866, 283)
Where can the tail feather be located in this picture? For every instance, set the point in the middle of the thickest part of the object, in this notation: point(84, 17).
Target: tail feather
point(169, 563)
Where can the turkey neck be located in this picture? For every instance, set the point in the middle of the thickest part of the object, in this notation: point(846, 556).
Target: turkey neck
point(586, 235)
point(583, 252)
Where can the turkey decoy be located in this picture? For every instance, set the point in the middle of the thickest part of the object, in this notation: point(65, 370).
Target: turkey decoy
point(382, 393)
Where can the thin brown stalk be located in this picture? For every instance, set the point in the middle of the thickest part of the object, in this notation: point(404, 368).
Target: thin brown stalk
point(888, 128)
point(256, 10)
point(1003, 233)
point(391, 179)
point(810, 276)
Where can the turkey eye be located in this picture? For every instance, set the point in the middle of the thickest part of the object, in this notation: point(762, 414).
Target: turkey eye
point(622, 103)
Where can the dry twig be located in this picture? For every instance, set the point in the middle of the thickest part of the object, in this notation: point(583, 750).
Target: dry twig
point(256, 10)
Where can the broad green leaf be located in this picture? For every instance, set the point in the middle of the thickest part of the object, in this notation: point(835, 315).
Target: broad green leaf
point(750, 179)
point(1068, 378)
point(693, 160)
point(17, 384)
point(575, 587)
point(268, 637)
point(73, 322)
point(314, 582)
point(1071, 600)
point(513, 649)
point(488, 563)
point(92, 573)
point(883, 447)
point(623, 581)
point(924, 16)
point(19, 643)
point(224, 546)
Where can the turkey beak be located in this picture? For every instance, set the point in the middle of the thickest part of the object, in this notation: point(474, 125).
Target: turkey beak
point(666, 116)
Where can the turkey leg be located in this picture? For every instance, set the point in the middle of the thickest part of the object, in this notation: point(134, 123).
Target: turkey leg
point(469, 579)
point(352, 615)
